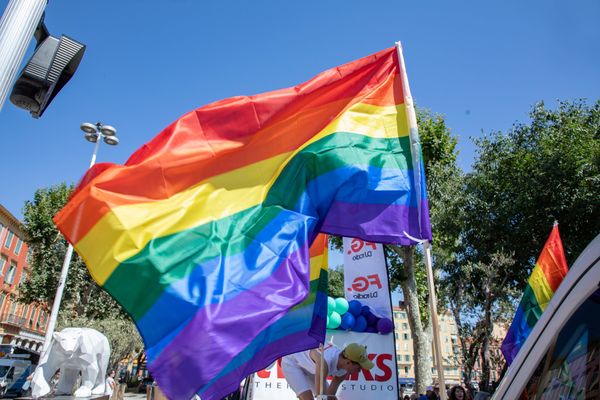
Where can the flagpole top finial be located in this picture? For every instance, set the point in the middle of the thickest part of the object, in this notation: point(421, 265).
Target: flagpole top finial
point(555, 222)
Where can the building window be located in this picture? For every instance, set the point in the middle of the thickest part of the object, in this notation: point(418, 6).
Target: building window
point(10, 274)
point(405, 336)
point(404, 325)
point(403, 315)
point(8, 240)
point(2, 297)
point(407, 358)
point(18, 246)
point(406, 370)
point(3, 262)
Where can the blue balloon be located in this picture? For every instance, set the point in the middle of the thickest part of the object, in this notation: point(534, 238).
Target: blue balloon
point(371, 329)
point(347, 321)
point(355, 307)
point(360, 325)
point(365, 310)
point(371, 319)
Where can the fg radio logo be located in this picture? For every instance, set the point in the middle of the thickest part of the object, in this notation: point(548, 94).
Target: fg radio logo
point(362, 283)
point(357, 246)
point(359, 249)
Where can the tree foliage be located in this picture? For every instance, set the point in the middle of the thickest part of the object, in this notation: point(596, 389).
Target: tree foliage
point(336, 281)
point(539, 172)
point(82, 296)
point(496, 218)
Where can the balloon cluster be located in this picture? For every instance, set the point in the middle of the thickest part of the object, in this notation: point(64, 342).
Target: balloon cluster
point(353, 316)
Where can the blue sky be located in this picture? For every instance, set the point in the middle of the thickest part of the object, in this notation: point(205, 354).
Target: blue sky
point(481, 64)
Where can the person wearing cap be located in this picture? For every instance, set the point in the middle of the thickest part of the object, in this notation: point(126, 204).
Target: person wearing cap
point(303, 370)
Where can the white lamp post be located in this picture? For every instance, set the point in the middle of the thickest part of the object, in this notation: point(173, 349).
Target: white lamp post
point(93, 133)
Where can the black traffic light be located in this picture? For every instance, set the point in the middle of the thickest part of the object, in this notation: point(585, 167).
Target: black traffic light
point(53, 63)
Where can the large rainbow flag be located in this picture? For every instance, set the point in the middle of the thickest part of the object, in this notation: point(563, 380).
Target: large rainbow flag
point(549, 271)
point(203, 235)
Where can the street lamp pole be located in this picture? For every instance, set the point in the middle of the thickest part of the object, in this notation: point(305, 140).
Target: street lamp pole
point(93, 133)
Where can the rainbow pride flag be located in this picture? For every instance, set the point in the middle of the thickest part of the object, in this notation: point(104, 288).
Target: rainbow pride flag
point(549, 271)
point(203, 235)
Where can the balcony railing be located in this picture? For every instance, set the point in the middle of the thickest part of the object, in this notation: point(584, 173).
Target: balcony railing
point(13, 319)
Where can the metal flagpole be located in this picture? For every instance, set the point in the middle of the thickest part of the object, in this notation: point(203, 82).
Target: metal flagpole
point(416, 155)
point(17, 25)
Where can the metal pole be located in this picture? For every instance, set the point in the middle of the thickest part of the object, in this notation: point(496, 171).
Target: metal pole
point(437, 345)
point(63, 275)
point(17, 25)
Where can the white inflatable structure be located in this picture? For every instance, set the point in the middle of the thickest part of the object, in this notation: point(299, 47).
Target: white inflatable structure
point(73, 351)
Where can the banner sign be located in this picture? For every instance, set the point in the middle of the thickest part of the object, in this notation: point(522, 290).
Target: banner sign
point(365, 275)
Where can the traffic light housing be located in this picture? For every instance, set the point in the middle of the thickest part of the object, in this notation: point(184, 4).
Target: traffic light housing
point(52, 65)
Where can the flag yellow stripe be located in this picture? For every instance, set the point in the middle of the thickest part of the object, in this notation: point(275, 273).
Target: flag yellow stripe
point(541, 289)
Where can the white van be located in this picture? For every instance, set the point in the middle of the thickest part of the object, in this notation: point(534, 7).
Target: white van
point(14, 371)
point(561, 357)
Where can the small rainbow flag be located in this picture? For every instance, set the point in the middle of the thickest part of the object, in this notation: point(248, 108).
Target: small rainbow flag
point(549, 271)
point(203, 235)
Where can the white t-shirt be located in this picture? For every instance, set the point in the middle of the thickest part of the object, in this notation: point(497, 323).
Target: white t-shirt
point(110, 382)
point(332, 355)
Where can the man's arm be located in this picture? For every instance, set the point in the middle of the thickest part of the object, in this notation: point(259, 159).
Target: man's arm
point(335, 384)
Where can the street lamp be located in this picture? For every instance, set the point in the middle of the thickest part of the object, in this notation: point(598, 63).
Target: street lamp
point(93, 133)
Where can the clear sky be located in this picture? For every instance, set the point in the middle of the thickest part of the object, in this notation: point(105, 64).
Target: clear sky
point(482, 64)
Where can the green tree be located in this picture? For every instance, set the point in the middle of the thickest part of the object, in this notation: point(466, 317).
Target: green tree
point(522, 181)
point(545, 170)
point(82, 296)
point(336, 281)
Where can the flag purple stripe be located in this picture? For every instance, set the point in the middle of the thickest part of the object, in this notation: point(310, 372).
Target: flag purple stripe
point(378, 222)
point(294, 343)
point(203, 348)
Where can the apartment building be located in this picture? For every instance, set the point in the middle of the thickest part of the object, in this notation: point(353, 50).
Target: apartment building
point(23, 325)
point(404, 346)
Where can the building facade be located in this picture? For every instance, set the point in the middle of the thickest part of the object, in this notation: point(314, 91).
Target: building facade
point(404, 346)
point(450, 349)
point(22, 325)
